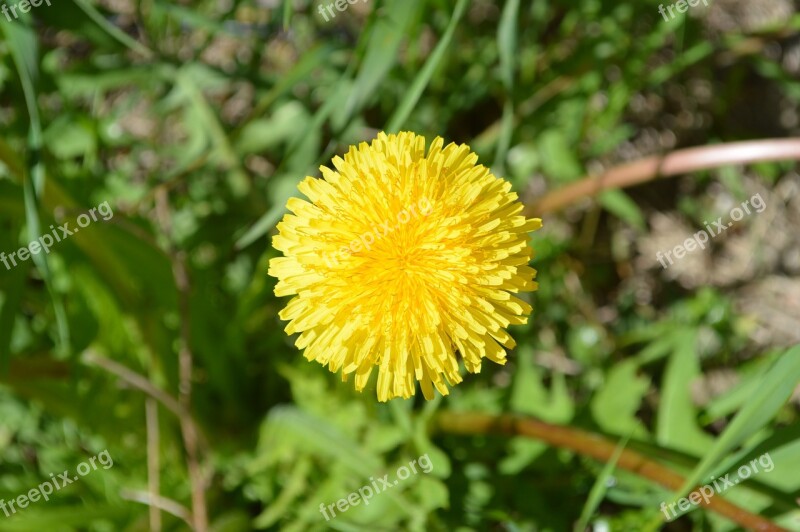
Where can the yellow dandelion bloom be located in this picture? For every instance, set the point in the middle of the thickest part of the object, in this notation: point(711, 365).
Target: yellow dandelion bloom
point(400, 260)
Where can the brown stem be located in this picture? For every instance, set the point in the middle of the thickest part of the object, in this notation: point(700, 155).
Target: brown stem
point(595, 446)
point(159, 502)
point(188, 426)
point(153, 462)
point(185, 367)
point(136, 380)
point(675, 163)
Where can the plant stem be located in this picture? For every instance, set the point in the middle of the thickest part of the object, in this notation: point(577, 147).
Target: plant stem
point(675, 163)
point(594, 446)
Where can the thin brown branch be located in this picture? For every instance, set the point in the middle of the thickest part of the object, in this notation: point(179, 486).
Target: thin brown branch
point(153, 462)
point(185, 363)
point(160, 503)
point(135, 380)
point(185, 366)
point(675, 163)
point(594, 446)
point(141, 383)
point(188, 426)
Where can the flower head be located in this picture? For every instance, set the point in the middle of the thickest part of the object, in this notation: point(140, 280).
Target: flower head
point(402, 260)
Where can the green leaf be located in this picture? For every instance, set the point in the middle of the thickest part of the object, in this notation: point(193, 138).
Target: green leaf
point(288, 11)
point(622, 206)
point(686, 59)
point(400, 116)
point(24, 48)
point(600, 487)
point(677, 426)
point(507, 42)
point(294, 487)
point(382, 50)
point(304, 431)
point(60, 518)
point(741, 392)
point(559, 162)
point(507, 48)
point(615, 406)
point(777, 385)
point(530, 396)
point(111, 29)
point(286, 122)
point(10, 300)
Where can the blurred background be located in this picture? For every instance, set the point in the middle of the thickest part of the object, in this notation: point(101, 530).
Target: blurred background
point(153, 335)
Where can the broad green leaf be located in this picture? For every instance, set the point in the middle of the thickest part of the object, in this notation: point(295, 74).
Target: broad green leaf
point(530, 396)
point(615, 406)
point(677, 426)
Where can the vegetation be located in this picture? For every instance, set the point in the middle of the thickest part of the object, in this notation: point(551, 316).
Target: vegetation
point(154, 335)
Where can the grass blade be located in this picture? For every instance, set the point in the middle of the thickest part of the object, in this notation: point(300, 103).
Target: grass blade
point(424, 77)
point(600, 487)
point(287, 13)
point(117, 34)
point(383, 48)
point(24, 47)
point(777, 385)
point(507, 48)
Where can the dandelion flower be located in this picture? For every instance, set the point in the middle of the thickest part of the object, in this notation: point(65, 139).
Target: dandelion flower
point(404, 262)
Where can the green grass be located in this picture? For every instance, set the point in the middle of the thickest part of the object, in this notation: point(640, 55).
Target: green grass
point(197, 120)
